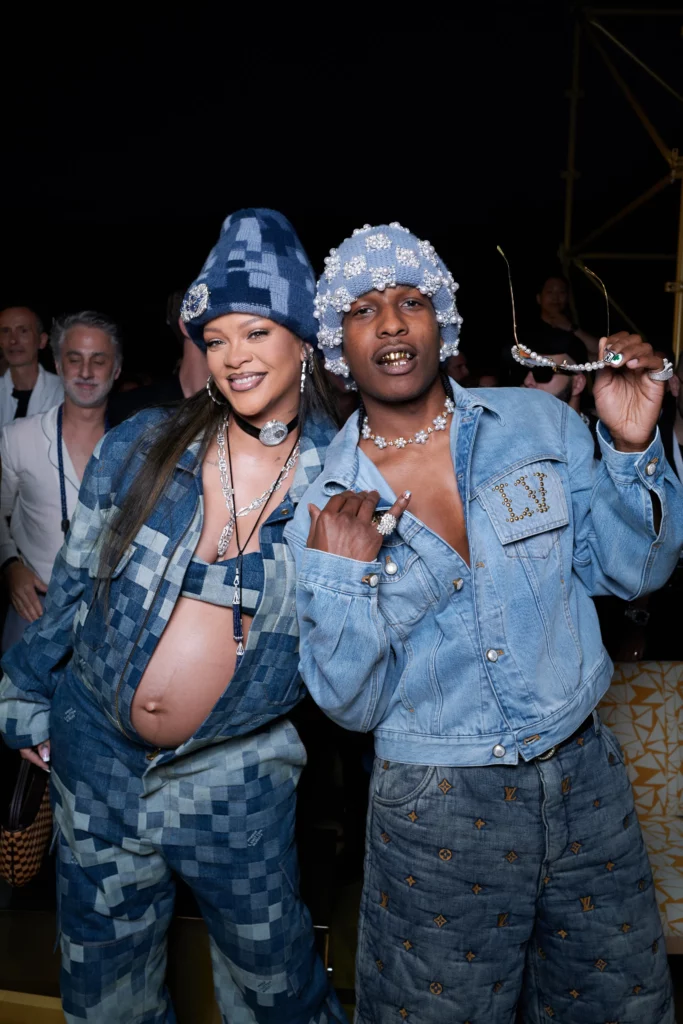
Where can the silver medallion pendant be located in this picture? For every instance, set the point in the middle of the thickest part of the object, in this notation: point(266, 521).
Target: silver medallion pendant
point(273, 433)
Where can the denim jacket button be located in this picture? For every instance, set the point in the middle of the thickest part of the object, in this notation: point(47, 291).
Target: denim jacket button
point(458, 584)
point(492, 655)
point(651, 468)
point(499, 750)
point(390, 566)
point(372, 580)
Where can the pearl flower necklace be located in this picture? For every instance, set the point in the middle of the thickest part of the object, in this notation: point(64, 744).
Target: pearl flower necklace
point(421, 437)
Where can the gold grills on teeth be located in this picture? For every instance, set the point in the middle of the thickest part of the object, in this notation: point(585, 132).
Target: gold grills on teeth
point(394, 357)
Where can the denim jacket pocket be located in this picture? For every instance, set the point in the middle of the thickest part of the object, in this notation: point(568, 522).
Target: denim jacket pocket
point(527, 507)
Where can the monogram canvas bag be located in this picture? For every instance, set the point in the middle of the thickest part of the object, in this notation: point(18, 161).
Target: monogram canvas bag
point(25, 835)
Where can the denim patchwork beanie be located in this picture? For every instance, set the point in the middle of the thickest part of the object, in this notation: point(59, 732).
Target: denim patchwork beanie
point(375, 258)
point(258, 265)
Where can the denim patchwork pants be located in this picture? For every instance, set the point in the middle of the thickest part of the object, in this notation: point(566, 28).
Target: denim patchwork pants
point(515, 886)
point(223, 819)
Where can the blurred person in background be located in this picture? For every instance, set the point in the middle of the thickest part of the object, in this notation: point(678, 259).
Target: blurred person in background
point(189, 376)
point(555, 319)
point(27, 388)
point(488, 380)
point(557, 381)
point(457, 369)
point(44, 459)
point(471, 373)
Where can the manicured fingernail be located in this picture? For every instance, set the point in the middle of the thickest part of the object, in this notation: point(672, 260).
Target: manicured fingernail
point(406, 494)
point(44, 753)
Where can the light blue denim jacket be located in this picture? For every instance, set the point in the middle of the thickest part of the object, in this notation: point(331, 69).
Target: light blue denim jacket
point(481, 664)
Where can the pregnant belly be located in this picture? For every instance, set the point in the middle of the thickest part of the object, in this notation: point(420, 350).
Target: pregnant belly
point(190, 669)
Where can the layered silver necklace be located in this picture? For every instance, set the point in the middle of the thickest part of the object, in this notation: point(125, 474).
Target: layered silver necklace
point(229, 491)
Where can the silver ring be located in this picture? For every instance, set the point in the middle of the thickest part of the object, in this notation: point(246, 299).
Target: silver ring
point(666, 372)
point(387, 524)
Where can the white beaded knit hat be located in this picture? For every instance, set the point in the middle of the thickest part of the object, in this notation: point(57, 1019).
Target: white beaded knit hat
point(378, 258)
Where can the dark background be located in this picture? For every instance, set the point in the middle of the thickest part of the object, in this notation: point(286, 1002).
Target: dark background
point(128, 137)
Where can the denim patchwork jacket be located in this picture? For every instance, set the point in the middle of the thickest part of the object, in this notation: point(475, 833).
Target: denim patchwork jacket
point(108, 650)
point(457, 664)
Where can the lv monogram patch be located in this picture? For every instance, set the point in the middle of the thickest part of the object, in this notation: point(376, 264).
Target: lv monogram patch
point(538, 497)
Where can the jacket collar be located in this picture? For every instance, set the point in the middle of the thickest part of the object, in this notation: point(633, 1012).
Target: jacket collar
point(48, 422)
point(341, 467)
point(189, 460)
point(8, 383)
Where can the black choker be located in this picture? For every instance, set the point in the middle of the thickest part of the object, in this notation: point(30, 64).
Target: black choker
point(271, 433)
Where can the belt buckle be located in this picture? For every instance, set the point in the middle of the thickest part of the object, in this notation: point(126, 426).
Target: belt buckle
point(548, 754)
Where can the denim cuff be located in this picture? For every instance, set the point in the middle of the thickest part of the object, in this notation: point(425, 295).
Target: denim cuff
point(336, 572)
point(24, 725)
point(627, 467)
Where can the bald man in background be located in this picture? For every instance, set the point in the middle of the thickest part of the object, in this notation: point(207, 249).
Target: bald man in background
point(26, 388)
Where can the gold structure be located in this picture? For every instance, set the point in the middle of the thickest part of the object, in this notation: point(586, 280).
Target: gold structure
point(589, 27)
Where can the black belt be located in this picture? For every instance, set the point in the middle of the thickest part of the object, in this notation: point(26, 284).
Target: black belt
point(585, 725)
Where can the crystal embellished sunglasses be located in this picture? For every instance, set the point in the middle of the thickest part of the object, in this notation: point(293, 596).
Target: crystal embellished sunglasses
point(534, 361)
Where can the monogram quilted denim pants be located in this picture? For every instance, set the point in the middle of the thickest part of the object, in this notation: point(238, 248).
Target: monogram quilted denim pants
point(223, 819)
point(516, 888)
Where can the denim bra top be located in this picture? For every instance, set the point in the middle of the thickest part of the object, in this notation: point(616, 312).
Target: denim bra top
point(213, 581)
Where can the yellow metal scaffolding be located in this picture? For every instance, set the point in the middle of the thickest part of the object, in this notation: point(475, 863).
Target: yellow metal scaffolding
point(589, 28)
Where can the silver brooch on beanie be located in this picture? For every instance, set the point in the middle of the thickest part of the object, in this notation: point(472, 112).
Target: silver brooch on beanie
point(195, 302)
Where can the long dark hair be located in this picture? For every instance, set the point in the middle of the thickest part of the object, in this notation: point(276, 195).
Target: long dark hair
point(196, 417)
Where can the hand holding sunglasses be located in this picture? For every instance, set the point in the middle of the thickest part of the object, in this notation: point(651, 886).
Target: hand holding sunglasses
point(629, 385)
point(629, 391)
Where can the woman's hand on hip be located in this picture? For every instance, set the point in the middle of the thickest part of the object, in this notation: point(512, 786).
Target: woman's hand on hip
point(39, 755)
point(345, 526)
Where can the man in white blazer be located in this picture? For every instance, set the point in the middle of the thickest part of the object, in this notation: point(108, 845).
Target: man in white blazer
point(26, 388)
point(38, 496)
